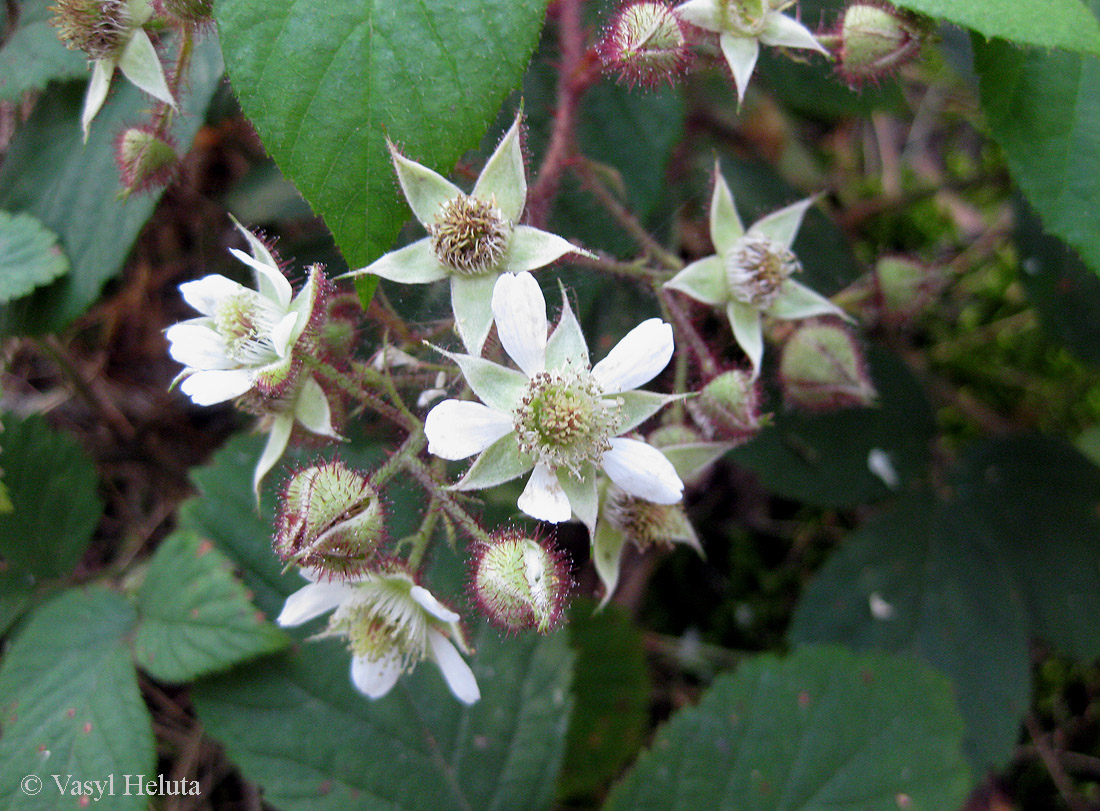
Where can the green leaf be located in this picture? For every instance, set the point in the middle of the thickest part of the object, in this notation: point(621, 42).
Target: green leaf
point(1042, 108)
point(53, 490)
point(325, 84)
point(611, 685)
point(29, 256)
point(1065, 293)
point(70, 704)
point(1051, 24)
point(906, 582)
point(826, 458)
point(32, 54)
point(195, 616)
point(1024, 516)
point(822, 728)
point(15, 592)
point(298, 728)
point(73, 188)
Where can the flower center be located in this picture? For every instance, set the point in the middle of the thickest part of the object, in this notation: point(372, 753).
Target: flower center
point(97, 27)
point(470, 235)
point(384, 621)
point(564, 421)
point(756, 269)
point(245, 322)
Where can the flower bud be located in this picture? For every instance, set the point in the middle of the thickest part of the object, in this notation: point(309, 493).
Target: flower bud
point(876, 39)
point(728, 407)
point(822, 368)
point(330, 518)
point(520, 582)
point(146, 159)
point(100, 28)
point(905, 284)
point(645, 43)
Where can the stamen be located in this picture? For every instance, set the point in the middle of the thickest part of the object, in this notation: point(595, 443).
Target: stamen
point(757, 268)
point(470, 235)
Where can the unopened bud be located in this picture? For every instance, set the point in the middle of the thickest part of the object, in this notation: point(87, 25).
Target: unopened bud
point(728, 407)
point(645, 43)
point(876, 39)
point(146, 159)
point(195, 12)
point(904, 284)
point(330, 518)
point(520, 583)
point(822, 367)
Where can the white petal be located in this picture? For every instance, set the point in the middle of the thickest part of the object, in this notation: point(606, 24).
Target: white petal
point(637, 358)
point(206, 293)
point(256, 245)
point(531, 248)
point(747, 331)
point(209, 387)
point(313, 601)
point(141, 65)
point(102, 71)
point(520, 312)
point(198, 347)
point(705, 14)
point(375, 678)
point(502, 178)
point(280, 335)
point(455, 671)
point(269, 280)
point(787, 32)
point(428, 602)
point(642, 471)
point(457, 429)
point(543, 497)
point(725, 224)
point(741, 54)
point(782, 226)
point(277, 439)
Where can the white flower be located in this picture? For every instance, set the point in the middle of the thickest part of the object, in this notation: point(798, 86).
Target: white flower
point(472, 238)
point(391, 625)
point(245, 341)
point(557, 417)
point(742, 25)
point(751, 273)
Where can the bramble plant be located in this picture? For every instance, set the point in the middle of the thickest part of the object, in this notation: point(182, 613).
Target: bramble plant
point(513, 300)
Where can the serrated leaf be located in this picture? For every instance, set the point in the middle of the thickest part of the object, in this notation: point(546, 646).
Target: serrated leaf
point(52, 485)
point(298, 728)
point(195, 617)
point(821, 728)
point(1043, 109)
point(1024, 515)
point(32, 54)
point(70, 704)
point(73, 188)
point(29, 256)
point(1051, 24)
point(326, 84)
point(827, 458)
point(611, 685)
